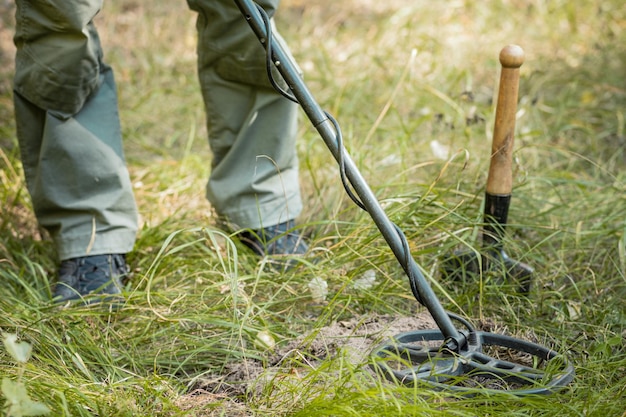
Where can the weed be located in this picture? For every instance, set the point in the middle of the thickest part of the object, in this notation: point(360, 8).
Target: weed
point(17, 401)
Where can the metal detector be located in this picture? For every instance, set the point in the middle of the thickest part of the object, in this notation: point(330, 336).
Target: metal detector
point(462, 360)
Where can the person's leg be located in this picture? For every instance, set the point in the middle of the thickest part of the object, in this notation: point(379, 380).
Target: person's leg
point(76, 175)
point(254, 181)
point(70, 141)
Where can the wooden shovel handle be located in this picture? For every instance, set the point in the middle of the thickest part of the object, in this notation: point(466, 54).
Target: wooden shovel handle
point(500, 179)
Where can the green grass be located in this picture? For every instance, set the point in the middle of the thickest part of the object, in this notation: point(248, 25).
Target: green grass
point(397, 75)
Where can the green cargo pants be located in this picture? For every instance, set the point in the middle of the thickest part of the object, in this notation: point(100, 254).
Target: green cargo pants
point(70, 137)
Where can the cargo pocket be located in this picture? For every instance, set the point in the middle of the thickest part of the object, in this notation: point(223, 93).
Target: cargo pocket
point(59, 57)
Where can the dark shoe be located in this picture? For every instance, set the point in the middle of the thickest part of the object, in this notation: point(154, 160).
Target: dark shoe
point(275, 240)
point(90, 275)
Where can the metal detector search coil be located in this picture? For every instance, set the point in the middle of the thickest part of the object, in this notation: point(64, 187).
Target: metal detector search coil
point(456, 353)
point(411, 358)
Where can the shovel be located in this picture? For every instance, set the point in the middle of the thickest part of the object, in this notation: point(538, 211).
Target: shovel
point(498, 191)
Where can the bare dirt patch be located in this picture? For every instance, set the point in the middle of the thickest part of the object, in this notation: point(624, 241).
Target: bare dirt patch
point(225, 394)
point(355, 338)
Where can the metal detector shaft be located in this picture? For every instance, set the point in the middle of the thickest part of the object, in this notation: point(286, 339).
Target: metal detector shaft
point(287, 68)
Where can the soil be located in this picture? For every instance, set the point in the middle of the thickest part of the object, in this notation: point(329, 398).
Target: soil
point(355, 338)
